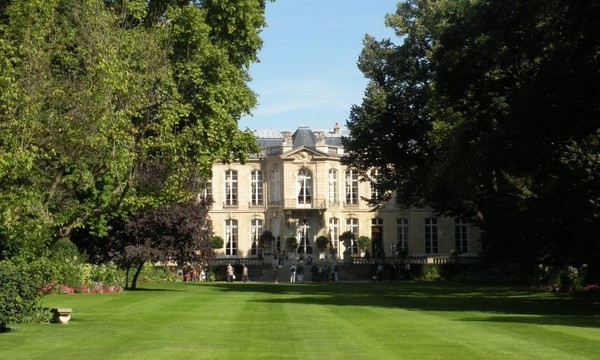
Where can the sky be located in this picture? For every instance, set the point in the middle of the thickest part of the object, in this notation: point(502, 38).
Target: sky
point(307, 74)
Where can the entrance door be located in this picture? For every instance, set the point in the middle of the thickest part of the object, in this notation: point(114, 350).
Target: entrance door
point(304, 235)
point(377, 237)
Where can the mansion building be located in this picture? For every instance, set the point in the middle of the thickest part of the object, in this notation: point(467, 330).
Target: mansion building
point(297, 187)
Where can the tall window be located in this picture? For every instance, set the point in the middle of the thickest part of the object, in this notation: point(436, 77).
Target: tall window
point(275, 187)
point(402, 234)
point(231, 188)
point(351, 186)
point(375, 174)
point(304, 187)
point(333, 186)
point(431, 236)
point(231, 237)
point(256, 188)
point(352, 226)
point(334, 233)
point(304, 246)
point(461, 243)
point(206, 189)
point(256, 229)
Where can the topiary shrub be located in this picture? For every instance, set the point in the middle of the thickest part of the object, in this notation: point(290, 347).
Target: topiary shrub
point(18, 294)
point(217, 242)
point(322, 242)
point(291, 244)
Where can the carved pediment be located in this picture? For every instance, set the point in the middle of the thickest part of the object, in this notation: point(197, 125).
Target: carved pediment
point(303, 154)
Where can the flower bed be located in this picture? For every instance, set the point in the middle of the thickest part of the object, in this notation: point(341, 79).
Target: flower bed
point(95, 288)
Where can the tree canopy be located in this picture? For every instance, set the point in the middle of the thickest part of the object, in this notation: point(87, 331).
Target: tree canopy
point(178, 232)
point(112, 106)
point(490, 110)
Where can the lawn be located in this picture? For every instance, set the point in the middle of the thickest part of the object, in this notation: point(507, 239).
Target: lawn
point(409, 320)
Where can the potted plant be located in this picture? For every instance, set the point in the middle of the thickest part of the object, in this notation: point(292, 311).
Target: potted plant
point(322, 243)
point(363, 243)
point(265, 240)
point(217, 242)
point(347, 238)
point(291, 244)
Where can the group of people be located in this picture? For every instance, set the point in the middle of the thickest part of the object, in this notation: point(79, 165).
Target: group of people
point(230, 273)
point(193, 273)
point(319, 272)
point(395, 271)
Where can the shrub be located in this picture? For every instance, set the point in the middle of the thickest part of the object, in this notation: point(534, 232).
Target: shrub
point(18, 294)
point(430, 272)
point(65, 264)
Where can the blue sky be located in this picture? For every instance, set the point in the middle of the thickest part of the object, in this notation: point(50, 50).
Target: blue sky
point(307, 75)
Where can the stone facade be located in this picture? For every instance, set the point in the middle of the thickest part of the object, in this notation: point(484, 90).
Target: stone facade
point(297, 187)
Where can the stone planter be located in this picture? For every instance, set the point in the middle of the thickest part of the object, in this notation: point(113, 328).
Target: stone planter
point(61, 315)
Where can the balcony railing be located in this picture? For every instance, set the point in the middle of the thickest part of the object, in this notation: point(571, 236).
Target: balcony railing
point(440, 260)
point(314, 204)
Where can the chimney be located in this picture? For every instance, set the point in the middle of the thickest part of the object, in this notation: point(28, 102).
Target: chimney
point(336, 130)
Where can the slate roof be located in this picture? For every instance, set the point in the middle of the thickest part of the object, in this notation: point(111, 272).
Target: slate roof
point(303, 136)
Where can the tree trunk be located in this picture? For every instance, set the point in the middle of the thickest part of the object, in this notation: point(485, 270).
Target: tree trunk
point(135, 276)
point(127, 276)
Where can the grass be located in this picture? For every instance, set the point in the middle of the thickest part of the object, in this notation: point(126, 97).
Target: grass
point(410, 320)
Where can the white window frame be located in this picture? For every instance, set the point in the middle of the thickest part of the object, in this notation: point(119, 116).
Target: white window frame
point(231, 188)
point(304, 182)
point(231, 237)
point(256, 188)
point(351, 186)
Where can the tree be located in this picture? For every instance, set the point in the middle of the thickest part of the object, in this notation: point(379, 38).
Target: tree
point(178, 232)
point(96, 94)
point(489, 121)
point(522, 111)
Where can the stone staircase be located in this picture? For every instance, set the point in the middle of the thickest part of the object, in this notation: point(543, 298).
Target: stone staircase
point(347, 272)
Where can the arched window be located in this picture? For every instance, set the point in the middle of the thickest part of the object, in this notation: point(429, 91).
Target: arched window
point(304, 187)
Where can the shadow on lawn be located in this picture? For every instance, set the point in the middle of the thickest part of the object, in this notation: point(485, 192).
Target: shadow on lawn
point(149, 289)
point(505, 304)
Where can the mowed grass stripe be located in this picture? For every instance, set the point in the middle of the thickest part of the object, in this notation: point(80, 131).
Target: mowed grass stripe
point(312, 321)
